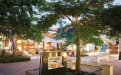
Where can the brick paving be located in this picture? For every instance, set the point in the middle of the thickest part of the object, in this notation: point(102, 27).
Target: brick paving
point(19, 68)
point(113, 60)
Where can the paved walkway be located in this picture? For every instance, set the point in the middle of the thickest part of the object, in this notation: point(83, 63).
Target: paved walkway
point(20, 67)
point(113, 60)
point(1, 73)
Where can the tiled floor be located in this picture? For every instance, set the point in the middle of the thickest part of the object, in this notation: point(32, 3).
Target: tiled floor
point(20, 67)
point(1, 73)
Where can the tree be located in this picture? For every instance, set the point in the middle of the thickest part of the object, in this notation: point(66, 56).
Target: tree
point(80, 13)
point(16, 17)
point(111, 18)
point(92, 35)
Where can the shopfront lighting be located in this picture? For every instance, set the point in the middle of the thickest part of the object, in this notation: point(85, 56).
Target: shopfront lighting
point(19, 41)
point(64, 54)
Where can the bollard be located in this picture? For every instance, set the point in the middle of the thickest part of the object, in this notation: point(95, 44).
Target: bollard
point(69, 63)
point(107, 69)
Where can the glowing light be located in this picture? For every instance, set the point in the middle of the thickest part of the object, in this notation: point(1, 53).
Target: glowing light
point(65, 54)
point(19, 41)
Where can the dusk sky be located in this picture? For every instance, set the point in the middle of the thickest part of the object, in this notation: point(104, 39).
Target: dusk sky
point(117, 2)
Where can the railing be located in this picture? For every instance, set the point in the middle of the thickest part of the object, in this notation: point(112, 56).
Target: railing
point(33, 72)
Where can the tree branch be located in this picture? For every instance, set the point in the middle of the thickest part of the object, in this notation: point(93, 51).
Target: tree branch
point(76, 18)
point(69, 18)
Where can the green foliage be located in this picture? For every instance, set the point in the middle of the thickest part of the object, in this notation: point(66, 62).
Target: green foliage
point(16, 17)
point(67, 32)
point(82, 16)
point(10, 59)
point(47, 21)
point(110, 17)
point(34, 34)
point(69, 73)
point(65, 71)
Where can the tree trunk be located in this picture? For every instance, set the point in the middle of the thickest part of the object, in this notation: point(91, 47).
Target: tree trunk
point(78, 55)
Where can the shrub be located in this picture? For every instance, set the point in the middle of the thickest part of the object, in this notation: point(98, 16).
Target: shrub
point(10, 58)
point(57, 71)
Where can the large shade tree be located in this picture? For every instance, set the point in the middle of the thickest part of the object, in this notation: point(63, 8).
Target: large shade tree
point(111, 18)
point(16, 17)
point(80, 13)
point(92, 35)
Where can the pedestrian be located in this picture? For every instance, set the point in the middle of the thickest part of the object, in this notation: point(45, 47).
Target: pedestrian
point(36, 52)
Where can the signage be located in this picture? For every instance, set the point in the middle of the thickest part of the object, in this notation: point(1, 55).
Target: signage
point(54, 62)
point(55, 59)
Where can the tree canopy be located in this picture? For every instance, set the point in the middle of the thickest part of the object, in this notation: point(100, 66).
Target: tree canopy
point(67, 32)
point(111, 18)
point(16, 16)
point(80, 13)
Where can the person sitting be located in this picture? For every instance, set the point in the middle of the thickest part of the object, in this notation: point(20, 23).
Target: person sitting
point(36, 52)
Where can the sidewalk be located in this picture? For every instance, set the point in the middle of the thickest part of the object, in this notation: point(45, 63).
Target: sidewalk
point(1, 73)
point(19, 68)
point(90, 60)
